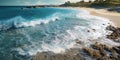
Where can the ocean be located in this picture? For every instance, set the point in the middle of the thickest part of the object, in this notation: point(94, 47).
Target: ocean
point(24, 32)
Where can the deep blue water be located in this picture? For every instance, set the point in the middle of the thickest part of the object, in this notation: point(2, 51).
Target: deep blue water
point(11, 12)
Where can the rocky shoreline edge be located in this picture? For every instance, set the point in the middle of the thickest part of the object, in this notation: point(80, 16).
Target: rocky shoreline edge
point(94, 52)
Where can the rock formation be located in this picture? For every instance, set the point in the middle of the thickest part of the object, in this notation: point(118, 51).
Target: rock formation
point(115, 35)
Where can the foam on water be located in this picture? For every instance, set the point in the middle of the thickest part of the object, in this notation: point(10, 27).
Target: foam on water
point(37, 21)
point(62, 41)
point(19, 22)
point(58, 32)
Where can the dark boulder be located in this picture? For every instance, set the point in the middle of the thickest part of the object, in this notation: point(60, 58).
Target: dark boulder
point(115, 35)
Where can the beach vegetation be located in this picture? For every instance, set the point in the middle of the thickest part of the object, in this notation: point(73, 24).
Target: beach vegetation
point(90, 3)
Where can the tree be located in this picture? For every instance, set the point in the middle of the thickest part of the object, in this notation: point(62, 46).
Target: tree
point(108, 0)
point(68, 3)
point(101, 1)
point(96, 0)
point(90, 1)
point(82, 1)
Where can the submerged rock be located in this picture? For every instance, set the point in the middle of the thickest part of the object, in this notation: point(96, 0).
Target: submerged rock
point(94, 30)
point(18, 56)
point(88, 30)
point(78, 41)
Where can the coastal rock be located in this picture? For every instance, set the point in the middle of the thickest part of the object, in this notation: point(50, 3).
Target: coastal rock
point(107, 53)
point(115, 35)
point(78, 41)
point(101, 47)
point(111, 28)
point(53, 56)
point(115, 9)
point(92, 53)
point(43, 56)
point(88, 30)
point(94, 30)
point(117, 49)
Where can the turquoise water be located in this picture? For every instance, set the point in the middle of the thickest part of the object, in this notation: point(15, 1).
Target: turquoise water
point(24, 32)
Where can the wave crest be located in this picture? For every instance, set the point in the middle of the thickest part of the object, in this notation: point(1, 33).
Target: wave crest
point(19, 22)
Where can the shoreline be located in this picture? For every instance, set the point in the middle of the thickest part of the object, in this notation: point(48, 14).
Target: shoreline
point(112, 16)
point(77, 54)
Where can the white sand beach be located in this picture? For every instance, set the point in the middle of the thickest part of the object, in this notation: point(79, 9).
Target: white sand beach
point(112, 16)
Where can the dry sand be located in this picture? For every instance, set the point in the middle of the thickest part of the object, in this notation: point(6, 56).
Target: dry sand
point(112, 16)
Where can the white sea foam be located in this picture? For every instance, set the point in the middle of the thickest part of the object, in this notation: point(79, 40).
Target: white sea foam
point(36, 21)
point(19, 21)
point(94, 32)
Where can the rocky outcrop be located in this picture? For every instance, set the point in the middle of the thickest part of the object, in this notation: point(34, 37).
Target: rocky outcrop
point(53, 56)
point(115, 35)
point(111, 28)
point(95, 51)
point(92, 53)
point(103, 52)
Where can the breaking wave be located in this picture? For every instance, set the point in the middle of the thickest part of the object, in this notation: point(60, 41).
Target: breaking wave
point(57, 32)
point(19, 22)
